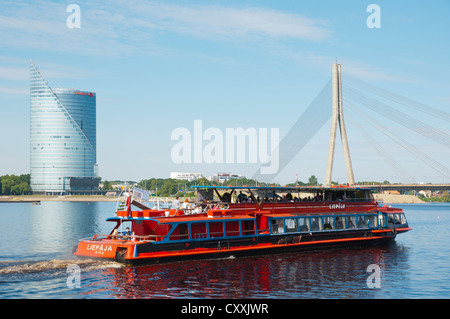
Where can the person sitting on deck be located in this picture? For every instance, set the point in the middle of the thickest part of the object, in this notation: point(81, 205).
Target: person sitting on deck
point(127, 232)
point(114, 234)
point(241, 197)
point(226, 197)
point(186, 204)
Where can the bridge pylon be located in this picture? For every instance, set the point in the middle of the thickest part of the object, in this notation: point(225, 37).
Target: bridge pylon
point(338, 118)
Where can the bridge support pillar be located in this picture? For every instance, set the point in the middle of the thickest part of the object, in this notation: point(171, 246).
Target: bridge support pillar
point(338, 117)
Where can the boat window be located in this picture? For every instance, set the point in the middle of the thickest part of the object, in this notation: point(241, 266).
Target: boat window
point(372, 221)
point(276, 225)
point(215, 229)
point(403, 219)
point(158, 231)
point(316, 223)
point(350, 196)
point(328, 223)
point(340, 222)
point(303, 224)
point(291, 225)
point(198, 230)
point(248, 227)
point(396, 219)
point(180, 232)
point(390, 218)
point(232, 228)
point(360, 195)
point(362, 221)
point(351, 222)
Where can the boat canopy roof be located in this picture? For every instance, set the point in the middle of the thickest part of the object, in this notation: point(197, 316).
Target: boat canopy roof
point(206, 192)
point(284, 188)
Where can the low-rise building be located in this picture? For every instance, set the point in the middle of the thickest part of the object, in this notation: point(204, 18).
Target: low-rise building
point(185, 176)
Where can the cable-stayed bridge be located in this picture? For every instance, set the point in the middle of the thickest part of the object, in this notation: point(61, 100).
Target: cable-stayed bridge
point(370, 110)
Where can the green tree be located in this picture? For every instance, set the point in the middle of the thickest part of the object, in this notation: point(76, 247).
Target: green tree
point(203, 181)
point(107, 185)
point(15, 185)
point(169, 187)
point(312, 181)
point(20, 189)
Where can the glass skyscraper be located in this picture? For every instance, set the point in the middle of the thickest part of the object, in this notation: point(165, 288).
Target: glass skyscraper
point(63, 156)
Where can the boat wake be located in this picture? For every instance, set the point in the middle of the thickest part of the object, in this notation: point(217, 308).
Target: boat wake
point(22, 267)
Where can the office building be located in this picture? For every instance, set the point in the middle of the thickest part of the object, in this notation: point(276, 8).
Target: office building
point(63, 150)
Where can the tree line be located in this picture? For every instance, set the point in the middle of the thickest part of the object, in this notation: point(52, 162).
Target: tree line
point(20, 184)
point(15, 184)
point(443, 198)
point(170, 186)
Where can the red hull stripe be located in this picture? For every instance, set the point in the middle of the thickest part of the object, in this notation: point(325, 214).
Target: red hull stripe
point(200, 251)
point(390, 230)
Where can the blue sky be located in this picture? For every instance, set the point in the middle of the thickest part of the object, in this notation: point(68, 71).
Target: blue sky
point(159, 65)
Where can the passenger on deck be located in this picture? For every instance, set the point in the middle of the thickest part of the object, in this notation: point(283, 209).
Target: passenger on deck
point(226, 197)
point(204, 204)
point(242, 197)
point(176, 203)
point(127, 232)
point(114, 234)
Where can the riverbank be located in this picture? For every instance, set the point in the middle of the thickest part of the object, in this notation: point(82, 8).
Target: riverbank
point(69, 198)
point(397, 199)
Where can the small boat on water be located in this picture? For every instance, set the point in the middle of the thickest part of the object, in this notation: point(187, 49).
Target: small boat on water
point(242, 221)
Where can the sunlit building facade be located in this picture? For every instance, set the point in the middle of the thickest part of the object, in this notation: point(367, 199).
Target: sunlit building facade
point(63, 156)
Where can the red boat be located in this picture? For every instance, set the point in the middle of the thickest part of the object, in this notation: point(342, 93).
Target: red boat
point(241, 221)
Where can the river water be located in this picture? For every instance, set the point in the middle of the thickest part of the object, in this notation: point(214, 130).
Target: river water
point(36, 242)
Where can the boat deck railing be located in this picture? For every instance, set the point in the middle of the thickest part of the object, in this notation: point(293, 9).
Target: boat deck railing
point(122, 238)
point(219, 234)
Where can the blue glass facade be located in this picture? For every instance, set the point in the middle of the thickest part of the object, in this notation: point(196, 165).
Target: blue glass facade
point(62, 138)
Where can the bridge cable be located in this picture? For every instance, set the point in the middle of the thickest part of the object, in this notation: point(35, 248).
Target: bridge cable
point(395, 166)
point(402, 118)
point(308, 124)
point(441, 169)
point(398, 98)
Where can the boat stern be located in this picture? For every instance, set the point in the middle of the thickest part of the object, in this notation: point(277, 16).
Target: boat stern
point(96, 249)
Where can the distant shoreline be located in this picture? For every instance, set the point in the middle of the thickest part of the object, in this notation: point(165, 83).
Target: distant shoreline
point(69, 198)
point(397, 199)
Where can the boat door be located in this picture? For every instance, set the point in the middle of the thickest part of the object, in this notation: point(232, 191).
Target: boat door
point(382, 220)
point(262, 223)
